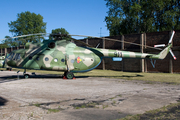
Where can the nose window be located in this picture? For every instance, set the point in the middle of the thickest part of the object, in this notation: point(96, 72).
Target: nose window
point(11, 55)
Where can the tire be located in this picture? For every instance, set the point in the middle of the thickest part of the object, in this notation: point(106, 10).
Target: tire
point(69, 75)
point(26, 76)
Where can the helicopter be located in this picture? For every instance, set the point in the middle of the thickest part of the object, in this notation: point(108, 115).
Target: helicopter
point(66, 56)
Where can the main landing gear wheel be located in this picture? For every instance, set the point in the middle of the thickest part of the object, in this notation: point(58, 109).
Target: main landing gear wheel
point(26, 76)
point(68, 75)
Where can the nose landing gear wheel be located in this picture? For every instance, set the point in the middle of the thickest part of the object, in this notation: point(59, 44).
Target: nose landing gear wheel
point(26, 76)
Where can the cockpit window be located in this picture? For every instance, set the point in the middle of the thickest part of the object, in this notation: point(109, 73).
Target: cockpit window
point(11, 55)
point(14, 56)
point(17, 56)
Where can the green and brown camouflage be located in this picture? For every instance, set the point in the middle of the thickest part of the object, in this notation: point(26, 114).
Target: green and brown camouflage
point(128, 54)
point(65, 56)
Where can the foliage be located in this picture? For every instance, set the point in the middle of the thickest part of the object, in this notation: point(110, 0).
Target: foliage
point(61, 31)
point(135, 16)
point(9, 42)
point(3, 46)
point(27, 23)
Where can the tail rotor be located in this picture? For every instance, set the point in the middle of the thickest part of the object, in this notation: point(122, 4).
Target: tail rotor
point(170, 43)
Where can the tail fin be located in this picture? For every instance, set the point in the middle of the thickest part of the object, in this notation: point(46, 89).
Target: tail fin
point(164, 52)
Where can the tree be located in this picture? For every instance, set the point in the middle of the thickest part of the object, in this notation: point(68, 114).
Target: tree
point(137, 16)
point(8, 42)
point(27, 23)
point(61, 31)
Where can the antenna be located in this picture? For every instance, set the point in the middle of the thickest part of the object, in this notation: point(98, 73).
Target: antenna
point(100, 31)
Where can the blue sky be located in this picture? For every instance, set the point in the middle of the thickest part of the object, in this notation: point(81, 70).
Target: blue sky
point(82, 17)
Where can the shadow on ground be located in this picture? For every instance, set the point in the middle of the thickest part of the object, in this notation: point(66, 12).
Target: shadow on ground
point(3, 101)
point(10, 78)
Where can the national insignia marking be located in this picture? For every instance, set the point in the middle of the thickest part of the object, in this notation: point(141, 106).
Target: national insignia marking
point(79, 59)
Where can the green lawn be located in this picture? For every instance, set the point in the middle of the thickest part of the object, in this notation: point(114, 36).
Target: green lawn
point(149, 77)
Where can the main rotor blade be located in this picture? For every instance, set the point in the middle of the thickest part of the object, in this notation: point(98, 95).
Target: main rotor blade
point(83, 36)
point(116, 41)
point(25, 36)
point(81, 42)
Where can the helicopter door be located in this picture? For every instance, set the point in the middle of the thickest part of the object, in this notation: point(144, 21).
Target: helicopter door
point(59, 61)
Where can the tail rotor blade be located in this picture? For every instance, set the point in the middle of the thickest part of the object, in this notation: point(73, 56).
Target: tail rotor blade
point(171, 37)
point(172, 54)
point(161, 45)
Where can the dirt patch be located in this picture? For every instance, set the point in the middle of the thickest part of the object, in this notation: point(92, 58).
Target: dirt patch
point(84, 98)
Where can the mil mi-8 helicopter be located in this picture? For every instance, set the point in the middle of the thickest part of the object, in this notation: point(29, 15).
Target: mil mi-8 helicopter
point(64, 55)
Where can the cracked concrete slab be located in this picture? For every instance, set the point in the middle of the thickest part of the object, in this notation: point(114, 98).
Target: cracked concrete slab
point(51, 97)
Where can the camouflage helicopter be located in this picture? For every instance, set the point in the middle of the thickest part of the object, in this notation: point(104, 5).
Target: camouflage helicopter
point(66, 56)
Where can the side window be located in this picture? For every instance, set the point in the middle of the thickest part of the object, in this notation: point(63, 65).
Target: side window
point(17, 56)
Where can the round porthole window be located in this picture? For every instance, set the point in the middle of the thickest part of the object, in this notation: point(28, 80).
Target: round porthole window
point(62, 60)
point(55, 60)
point(46, 59)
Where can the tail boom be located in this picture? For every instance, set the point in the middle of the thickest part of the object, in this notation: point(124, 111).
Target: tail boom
point(128, 54)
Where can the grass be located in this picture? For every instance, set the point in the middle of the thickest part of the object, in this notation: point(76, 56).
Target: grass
point(149, 78)
point(170, 112)
point(85, 105)
point(37, 105)
point(53, 110)
point(105, 106)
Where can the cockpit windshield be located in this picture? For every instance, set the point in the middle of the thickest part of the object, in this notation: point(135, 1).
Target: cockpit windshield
point(17, 56)
point(14, 56)
point(10, 56)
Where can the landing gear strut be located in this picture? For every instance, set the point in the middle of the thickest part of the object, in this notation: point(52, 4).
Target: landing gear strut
point(26, 76)
point(68, 75)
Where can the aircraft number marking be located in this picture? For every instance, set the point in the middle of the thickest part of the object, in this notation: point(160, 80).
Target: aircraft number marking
point(117, 54)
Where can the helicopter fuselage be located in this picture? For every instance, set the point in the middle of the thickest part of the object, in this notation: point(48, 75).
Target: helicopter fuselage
point(54, 55)
point(65, 56)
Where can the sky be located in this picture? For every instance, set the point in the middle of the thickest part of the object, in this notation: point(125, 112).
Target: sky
point(81, 17)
